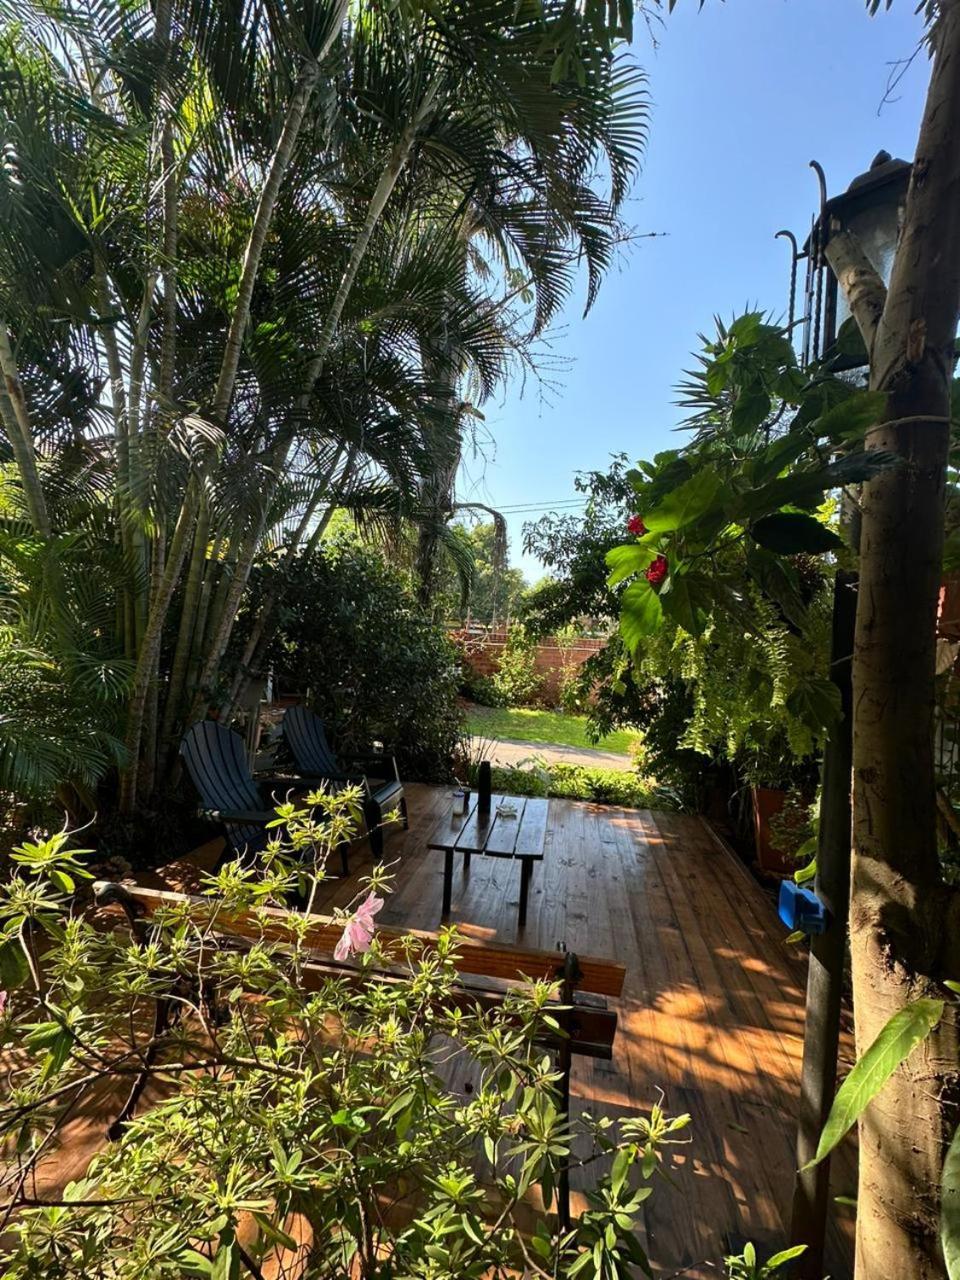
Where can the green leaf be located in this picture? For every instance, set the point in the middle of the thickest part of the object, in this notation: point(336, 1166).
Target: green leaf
point(64, 882)
point(792, 938)
point(14, 969)
point(641, 613)
point(194, 1263)
point(620, 1170)
point(684, 599)
point(273, 1233)
point(778, 580)
point(624, 562)
point(852, 416)
point(790, 532)
point(950, 1208)
point(779, 454)
point(803, 874)
point(751, 408)
point(57, 1054)
point(685, 504)
point(952, 986)
point(849, 339)
point(786, 1255)
point(226, 1263)
point(893, 1045)
point(816, 702)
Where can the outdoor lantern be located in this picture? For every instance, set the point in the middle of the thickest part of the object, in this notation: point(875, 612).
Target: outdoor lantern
point(871, 208)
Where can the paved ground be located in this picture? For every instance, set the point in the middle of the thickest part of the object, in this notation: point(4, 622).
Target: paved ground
point(510, 751)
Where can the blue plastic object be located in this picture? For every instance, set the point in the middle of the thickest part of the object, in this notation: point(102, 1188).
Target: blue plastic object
point(801, 909)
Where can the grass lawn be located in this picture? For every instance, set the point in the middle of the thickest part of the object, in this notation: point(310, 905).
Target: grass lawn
point(527, 725)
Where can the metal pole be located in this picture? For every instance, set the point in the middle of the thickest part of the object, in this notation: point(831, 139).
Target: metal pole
point(827, 950)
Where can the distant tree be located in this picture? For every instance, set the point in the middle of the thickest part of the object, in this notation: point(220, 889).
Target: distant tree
point(573, 548)
point(494, 591)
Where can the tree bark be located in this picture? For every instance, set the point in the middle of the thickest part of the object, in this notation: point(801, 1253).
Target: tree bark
point(900, 908)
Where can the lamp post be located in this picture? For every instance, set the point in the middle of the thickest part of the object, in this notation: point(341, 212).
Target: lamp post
point(869, 210)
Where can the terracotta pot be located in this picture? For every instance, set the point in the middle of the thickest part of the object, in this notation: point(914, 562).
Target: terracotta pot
point(767, 803)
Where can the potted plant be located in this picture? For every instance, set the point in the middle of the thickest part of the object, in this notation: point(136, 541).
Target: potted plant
point(782, 791)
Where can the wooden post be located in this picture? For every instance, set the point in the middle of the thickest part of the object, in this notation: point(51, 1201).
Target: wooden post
point(827, 950)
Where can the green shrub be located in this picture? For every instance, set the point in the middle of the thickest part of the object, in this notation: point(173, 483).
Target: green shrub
point(481, 689)
point(353, 641)
point(291, 1123)
point(517, 680)
point(579, 782)
point(572, 697)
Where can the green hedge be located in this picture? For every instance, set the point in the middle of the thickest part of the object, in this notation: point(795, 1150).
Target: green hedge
point(579, 782)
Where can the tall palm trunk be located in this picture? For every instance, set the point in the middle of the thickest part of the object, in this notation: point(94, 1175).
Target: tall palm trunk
point(437, 490)
point(16, 421)
point(181, 540)
point(396, 163)
point(903, 920)
point(189, 616)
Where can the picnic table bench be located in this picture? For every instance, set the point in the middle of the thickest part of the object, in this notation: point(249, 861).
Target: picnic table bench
point(520, 836)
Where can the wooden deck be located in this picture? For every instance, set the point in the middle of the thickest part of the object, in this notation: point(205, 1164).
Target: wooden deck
point(712, 1011)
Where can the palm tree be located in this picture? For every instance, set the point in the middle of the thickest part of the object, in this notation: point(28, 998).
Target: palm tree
point(223, 230)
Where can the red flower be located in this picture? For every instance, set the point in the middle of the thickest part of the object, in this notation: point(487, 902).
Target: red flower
point(635, 525)
point(657, 571)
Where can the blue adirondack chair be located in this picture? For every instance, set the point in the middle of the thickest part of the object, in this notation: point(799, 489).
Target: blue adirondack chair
point(305, 735)
point(216, 760)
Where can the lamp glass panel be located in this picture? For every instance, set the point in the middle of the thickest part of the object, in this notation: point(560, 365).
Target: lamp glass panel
point(877, 229)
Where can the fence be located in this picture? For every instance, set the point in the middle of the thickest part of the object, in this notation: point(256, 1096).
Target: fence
point(482, 649)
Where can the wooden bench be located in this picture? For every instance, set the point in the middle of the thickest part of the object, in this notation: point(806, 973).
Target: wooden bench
point(588, 1026)
point(520, 836)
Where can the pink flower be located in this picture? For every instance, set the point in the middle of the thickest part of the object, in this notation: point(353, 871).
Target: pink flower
point(3, 1001)
point(657, 571)
point(635, 525)
point(358, 933)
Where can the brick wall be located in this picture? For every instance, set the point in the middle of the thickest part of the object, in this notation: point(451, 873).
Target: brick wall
point(482, 649)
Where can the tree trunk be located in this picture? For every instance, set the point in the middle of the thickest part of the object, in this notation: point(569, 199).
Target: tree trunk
point(222, 627)
point(263, 217)
point(16, 421)
point(188, 620)
point(900, 909)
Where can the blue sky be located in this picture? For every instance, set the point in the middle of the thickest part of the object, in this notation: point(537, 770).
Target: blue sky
point(743, 95)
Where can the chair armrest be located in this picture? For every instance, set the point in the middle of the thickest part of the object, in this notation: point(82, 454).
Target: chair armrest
point(290, 781)
point(380, 760)
point(236, 815)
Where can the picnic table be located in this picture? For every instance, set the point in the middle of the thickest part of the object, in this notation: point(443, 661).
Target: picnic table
point(496, 834)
